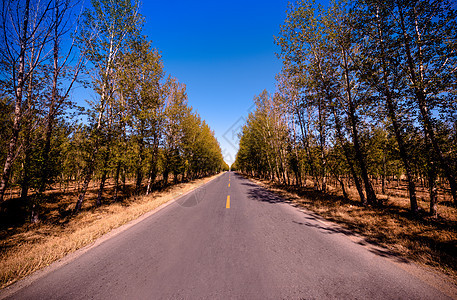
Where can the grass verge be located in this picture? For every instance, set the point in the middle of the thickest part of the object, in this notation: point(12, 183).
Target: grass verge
point(37, 246)
point(422, 239)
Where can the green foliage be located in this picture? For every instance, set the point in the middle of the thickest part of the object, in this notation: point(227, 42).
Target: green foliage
point(137, 127)
point(367, 90)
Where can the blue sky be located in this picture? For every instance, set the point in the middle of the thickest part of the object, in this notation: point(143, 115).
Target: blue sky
point(223, 51)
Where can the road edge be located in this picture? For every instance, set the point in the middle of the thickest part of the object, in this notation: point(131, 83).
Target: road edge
point(28, 280)
point(424, 273)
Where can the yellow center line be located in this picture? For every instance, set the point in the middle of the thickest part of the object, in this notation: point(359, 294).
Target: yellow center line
point(229, 184)
point(227, 205)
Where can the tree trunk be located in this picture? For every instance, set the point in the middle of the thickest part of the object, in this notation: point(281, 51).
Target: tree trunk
point(345, 194)
point(116, 182)
point(391, 110)
point(371, 196)
point(51, 112)
point(423, 107)
point(123, 178)
point(305, 143)
point(11, 154)
point(84, 187)
point(153, 165)
point(139, 169)
point(151, 180)
point(88, 172)
point(432, 178)
point(297, 167)
point(322, 139)
point(165, 174)
point(26, 178)
point(139, 179)
point(433, 190)
point(347, 154)
point(101, 187)
point(106, 158)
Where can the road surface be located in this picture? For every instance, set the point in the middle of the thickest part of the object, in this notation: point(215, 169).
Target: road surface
point(231, 239)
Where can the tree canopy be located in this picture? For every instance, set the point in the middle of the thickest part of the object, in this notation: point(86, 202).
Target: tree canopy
point(367, 91)
point(138, 127)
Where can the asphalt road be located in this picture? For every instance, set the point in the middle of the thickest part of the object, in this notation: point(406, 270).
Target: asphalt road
point(249, 246)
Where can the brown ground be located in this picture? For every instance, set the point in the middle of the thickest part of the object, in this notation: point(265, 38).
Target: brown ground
point(423, 239)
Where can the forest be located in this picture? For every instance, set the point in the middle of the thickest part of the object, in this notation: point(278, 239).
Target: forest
point(365, 102)
point(137, 132)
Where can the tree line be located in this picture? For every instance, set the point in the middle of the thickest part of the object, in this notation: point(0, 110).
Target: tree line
point(367, 92)
point(138, 125)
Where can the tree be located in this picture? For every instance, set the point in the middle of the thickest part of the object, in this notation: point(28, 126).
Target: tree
point(321, 56)
point(427, 33)
point(106, 29)
point(264, 140)
point(25, 29)
point(380, 69)
point(176, 112)
point(57, 100)
point(140, 73)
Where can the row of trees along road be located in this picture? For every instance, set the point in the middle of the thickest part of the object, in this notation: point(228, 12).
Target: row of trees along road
point(367, 92)
point(139, 125)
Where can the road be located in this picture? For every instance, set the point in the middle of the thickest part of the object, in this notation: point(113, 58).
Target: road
point(250, 245)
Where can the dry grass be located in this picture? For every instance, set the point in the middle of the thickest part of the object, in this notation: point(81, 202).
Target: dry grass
point(425, 240)
point(29, 248)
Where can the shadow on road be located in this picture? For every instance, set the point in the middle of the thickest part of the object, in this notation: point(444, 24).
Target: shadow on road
point(313, 220)
point(371, 246)
point(258, 193)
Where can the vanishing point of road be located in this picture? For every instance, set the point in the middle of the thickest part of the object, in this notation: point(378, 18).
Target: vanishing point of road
point(231, 239)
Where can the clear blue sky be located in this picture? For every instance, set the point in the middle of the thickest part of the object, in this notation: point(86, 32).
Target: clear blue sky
point(223, 51)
